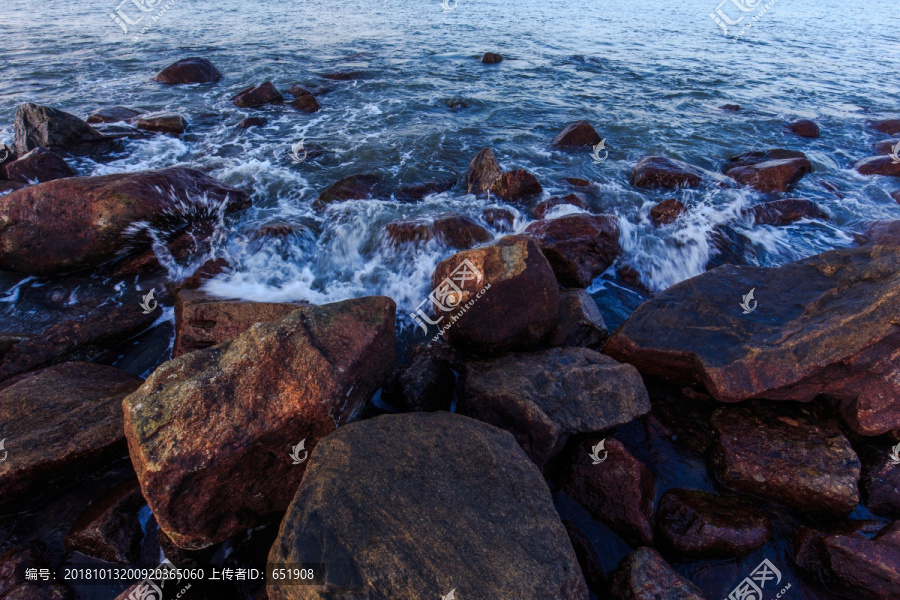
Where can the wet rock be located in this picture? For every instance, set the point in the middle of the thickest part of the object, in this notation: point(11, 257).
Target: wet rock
point(344, 76)
point(173, 123)
point(884, 232)
point(414, 193)
point(889, 126)
point(10, 186)
point(113, 114)
point(53, 130)
point(207, 270)
point(579, 247)
point(296, 91)
point(511, 269)
point(588, 559)
point(252, 122)
point(549, 204)
point(666, 212)
point(484, 171)
point(878, 165)
point(662, 172)
point(355, 187)
point(730, 107)
point(831, 332)
point(886, 146)
point(456, 104)
point(202, 320)
point(577, 181)
point(579, 322)
point(427, 384)
point(30, 591)
point(76, 339)
point(446, 479)
point(543, 398)
point(37, 166)
point(784, 212)
point(577, 135)
point(805, 128)
point(210, 433)
point(13, 563)
point(189, 70)
point(729, 247)
point(256, 96)
point(644, 575)
point(772, 175)
point(489, 58)
point(761, 156)
point(619, 491)
point(787, 456)
point(880, 485)
point(307, 104)
point(452, 229)
point(81, 222)
point(698, 524)
point(516, 186)
point(110, 528)
point(499, 218)
point(59, 420)
point(896, 196)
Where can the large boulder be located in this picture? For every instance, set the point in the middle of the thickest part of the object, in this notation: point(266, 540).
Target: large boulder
point(59, 421)
point(38, 165)
point(644, 575)
point(787, 456)
point(354, 187)
point(513, 294)
point(546, 397)
point(878, 165)
point(579, 247)
point(822, 325)
point(81, 221)
point(53, 130)
point(453, 229)
point(662, 172)
point(416, 505)
point(772, 175)
point(211, 433)
point(484, 170)
point(189, 70)
point(577, 135)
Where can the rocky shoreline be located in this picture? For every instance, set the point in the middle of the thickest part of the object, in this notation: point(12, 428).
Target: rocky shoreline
point(443, 468)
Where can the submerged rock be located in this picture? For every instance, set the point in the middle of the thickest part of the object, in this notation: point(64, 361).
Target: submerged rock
point(662, 172)
point(211, 433)
point(53, 130)
point(256, 96)
point(666, 212)
point(110, 528)
point(355, 187)
point(189, 70)
point(760, 156)
point(167, 122)
point(451, 483)
point(784, 212)
point(252, 122)
point(113, 114)
point(38, 165)
point(452, 229)
point(579, 247)
point(805, 128)
point(307, 104)
point(772, 175)
point(731, 107)
point(549, 204)
point(644, 575)
point(419, 191)
point(489, 58)
point(577, 135)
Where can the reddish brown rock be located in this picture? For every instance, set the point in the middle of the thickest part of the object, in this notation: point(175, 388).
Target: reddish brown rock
point(355, 187)
point(489, 58)
point(202, 321)
point(37, 166)
point(662, 172)
point(499, 218)
point(805, 128)
point(58, 421)
point(698, 524)
point(113, 114)
point(878, 165)
point(452, 229)
point(896, 196)
point(256, 96)
point(760, 156)
point(577, 181)
point(546, 206)
point(772, 175)
point(10, 186)
point(110, 528)
point(579, 247)
point(516, 186)
point(889, 126)
point(168, 122)
point(731, 107)
point(666, 212)
point(620, 491)
point(297, 90)
point(644, 575)
point(484, 171)
point(788, 456)
point(189, 70)
point(880, 484)
point(54, 130)
point(588, 559)
point(884, 232)
point(307, 104)
point(252, 122)
point(207, 270)
point(508, 270)
point(345, 76)
point(579, 322)
point(414, 193)
point(13, 563)
point(887, 146)
point(784, 212)
point(211, 433)
point(576, 135)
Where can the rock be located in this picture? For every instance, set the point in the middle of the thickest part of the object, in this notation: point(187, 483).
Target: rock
point(730, 107)
point(202, 321)
point(344, 76)
point(511, 269)
point(173, 123)
point(698, 524)
point(549, 204)
point(786, 456)
point(307, 104)
point(490, 58)
point(761, 156)
point(880, 485)
point(59, 420)
point(831, 332)
point(110, 528)
point(577, 181)
point(484, 171)
point(77, 339)
point(666, 212)
point(207, 270)
point(355, 187)
point(890, 126)
point(896, 196)
point(772, 175)
point(784, 212)
point(37, 166)
point(452, 229)
point(579, 322)
point(252, 122)
point(579, 247)
point(189, 70)
point(113, 114)
point(450, 482)
point(427, 384)
point(499, 218)
point(878, 165)
point(588, 559)
point(457, 104)
point(577, 135)
point(10, 186)
point(884, 232)
point(414, 193)
point(256, 96)
point(544, 398)
point(53, 130)
point(644, 575)
point(30, 591)
point(296, 91)
point(662, 172)
point(729, 247)
point(516, 186)
point(805, 128)
point(886, 146)
point(210, 433)
point(620, 491)
point(13, 563)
